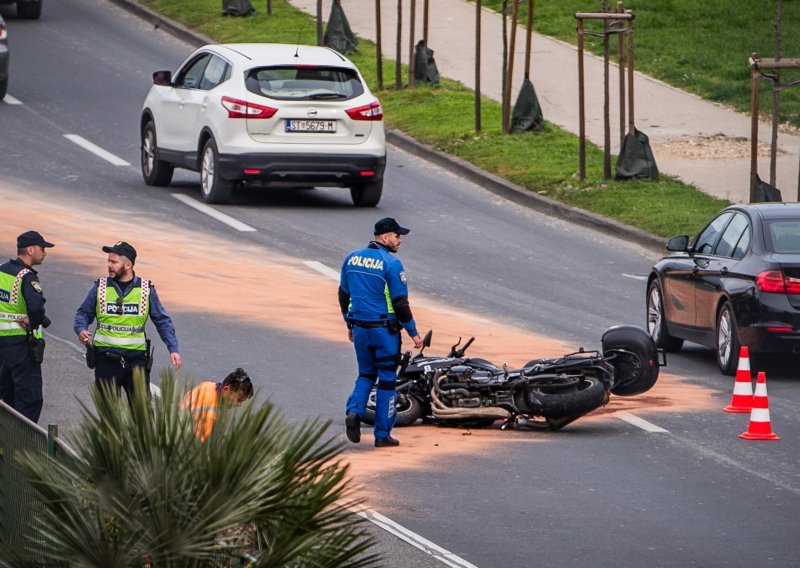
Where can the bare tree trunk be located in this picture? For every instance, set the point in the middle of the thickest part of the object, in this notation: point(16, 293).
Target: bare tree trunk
point(503, 87)
point(512, 48)
point(478, 11)
point(398, 64)
point(425, 23)
point(528, 39)
point(776, 95)
point(606, 100)
point(319, 22)
point(378, 51)
point(411, 30)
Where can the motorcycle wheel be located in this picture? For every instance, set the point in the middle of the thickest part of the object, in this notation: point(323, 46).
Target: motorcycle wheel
point(408, 410)
point(556, 399)
point(636, 366)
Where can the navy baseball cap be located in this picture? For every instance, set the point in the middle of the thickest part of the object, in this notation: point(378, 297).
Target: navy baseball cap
point(123, 249)
point(32, 239)
point(389, 225)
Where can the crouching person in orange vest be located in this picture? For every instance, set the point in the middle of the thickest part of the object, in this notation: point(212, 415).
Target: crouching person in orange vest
point(205, 398)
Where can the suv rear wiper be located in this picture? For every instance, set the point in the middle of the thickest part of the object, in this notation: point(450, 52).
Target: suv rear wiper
point(327, 96)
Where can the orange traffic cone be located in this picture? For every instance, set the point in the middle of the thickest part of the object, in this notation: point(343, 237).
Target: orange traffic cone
point(742, 399)
point(760, 427)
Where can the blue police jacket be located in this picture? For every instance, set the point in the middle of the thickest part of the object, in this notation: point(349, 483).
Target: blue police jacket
point(373, 287)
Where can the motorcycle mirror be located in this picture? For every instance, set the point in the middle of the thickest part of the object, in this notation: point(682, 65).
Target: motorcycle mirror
point(426, 341)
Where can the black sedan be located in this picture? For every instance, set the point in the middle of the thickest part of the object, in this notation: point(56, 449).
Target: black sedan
point(737, 283)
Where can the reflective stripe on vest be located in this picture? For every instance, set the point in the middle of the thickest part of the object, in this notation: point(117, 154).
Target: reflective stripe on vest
point(123, 330)
point(13, 305)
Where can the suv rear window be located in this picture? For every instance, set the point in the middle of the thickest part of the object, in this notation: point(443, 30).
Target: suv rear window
point(304, 83)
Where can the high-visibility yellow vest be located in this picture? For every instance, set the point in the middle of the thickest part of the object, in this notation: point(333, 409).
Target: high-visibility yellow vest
point(203, 401)
point(120, 324)
point(12, 305)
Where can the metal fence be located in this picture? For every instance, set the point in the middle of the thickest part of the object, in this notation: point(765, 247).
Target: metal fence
point(19, 505)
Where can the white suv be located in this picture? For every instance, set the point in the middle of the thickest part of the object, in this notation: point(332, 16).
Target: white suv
point(269, 114)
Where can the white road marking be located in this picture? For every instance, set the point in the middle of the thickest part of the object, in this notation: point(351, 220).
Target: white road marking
point(635, 276)
point(639, 422)
point(414, 539)
point(96, 150)
point(322, 269)
point(9, 100)
point(221, 217)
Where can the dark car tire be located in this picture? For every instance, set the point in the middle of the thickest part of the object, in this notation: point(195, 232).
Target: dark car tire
point(3, 89)
point(367, 194)
point(154, 171)
point(632, 352)
point(213, 187)
point(727, 345)
point(657, 322)
point(29, 10)
point(553, 400)
point(408, 410)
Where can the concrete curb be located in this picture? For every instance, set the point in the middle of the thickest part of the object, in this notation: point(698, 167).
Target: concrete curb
point(486, 180)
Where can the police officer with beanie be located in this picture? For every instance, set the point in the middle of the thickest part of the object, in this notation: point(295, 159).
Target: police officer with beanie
point(122, 303)
point(373, 296)
point(21, 320)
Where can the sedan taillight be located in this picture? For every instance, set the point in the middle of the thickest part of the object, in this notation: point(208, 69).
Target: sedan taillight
point(776, 282)
point(372, 111)
point(3, 32)
point(242, 109)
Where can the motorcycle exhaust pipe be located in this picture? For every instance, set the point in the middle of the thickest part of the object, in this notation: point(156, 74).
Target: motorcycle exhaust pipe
point(444, 412)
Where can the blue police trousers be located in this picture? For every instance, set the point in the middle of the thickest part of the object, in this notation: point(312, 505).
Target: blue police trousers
point(20, 379)
point(377, 353)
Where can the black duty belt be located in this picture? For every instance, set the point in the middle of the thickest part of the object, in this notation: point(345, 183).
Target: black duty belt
point(370, 324)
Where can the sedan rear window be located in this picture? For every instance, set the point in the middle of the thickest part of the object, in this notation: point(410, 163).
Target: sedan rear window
point(304, 83)
point(785, 236)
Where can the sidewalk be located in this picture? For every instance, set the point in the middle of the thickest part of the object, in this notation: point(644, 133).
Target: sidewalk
point(697, 141)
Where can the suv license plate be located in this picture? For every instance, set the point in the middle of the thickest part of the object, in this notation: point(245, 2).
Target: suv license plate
point(310, 126)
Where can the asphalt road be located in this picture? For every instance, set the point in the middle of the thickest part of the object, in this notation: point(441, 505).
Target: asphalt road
point(601, 492)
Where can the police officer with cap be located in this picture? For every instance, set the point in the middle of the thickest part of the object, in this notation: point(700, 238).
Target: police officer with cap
point(122, 304)
point(373, 297)
point(22, 317)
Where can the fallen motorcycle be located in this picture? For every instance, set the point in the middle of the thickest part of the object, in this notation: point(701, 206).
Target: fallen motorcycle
point(456, 390)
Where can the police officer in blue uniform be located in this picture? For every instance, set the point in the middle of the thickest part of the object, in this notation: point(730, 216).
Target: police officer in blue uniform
point(22, 316)
point(119, 345)
point(373, 296)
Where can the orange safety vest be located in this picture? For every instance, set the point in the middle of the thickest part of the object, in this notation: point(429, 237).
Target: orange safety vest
point(203, 401)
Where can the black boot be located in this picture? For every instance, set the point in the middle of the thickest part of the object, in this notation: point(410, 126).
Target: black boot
point(386, 442)
point(353, 425)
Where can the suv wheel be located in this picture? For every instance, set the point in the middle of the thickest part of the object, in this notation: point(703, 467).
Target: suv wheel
point(367, 194)
point(214, 187)
point(30, 10)
point(154, 171)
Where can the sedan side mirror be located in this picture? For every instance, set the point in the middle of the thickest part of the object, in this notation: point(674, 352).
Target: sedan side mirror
point(162, 78)
point(678, 244)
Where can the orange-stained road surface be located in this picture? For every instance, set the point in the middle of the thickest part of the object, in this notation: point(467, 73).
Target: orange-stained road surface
point(189, 265)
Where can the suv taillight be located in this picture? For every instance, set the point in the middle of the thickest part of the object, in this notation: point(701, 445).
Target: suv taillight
point(372, 111)
point(243, 109)
point(775, 282)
